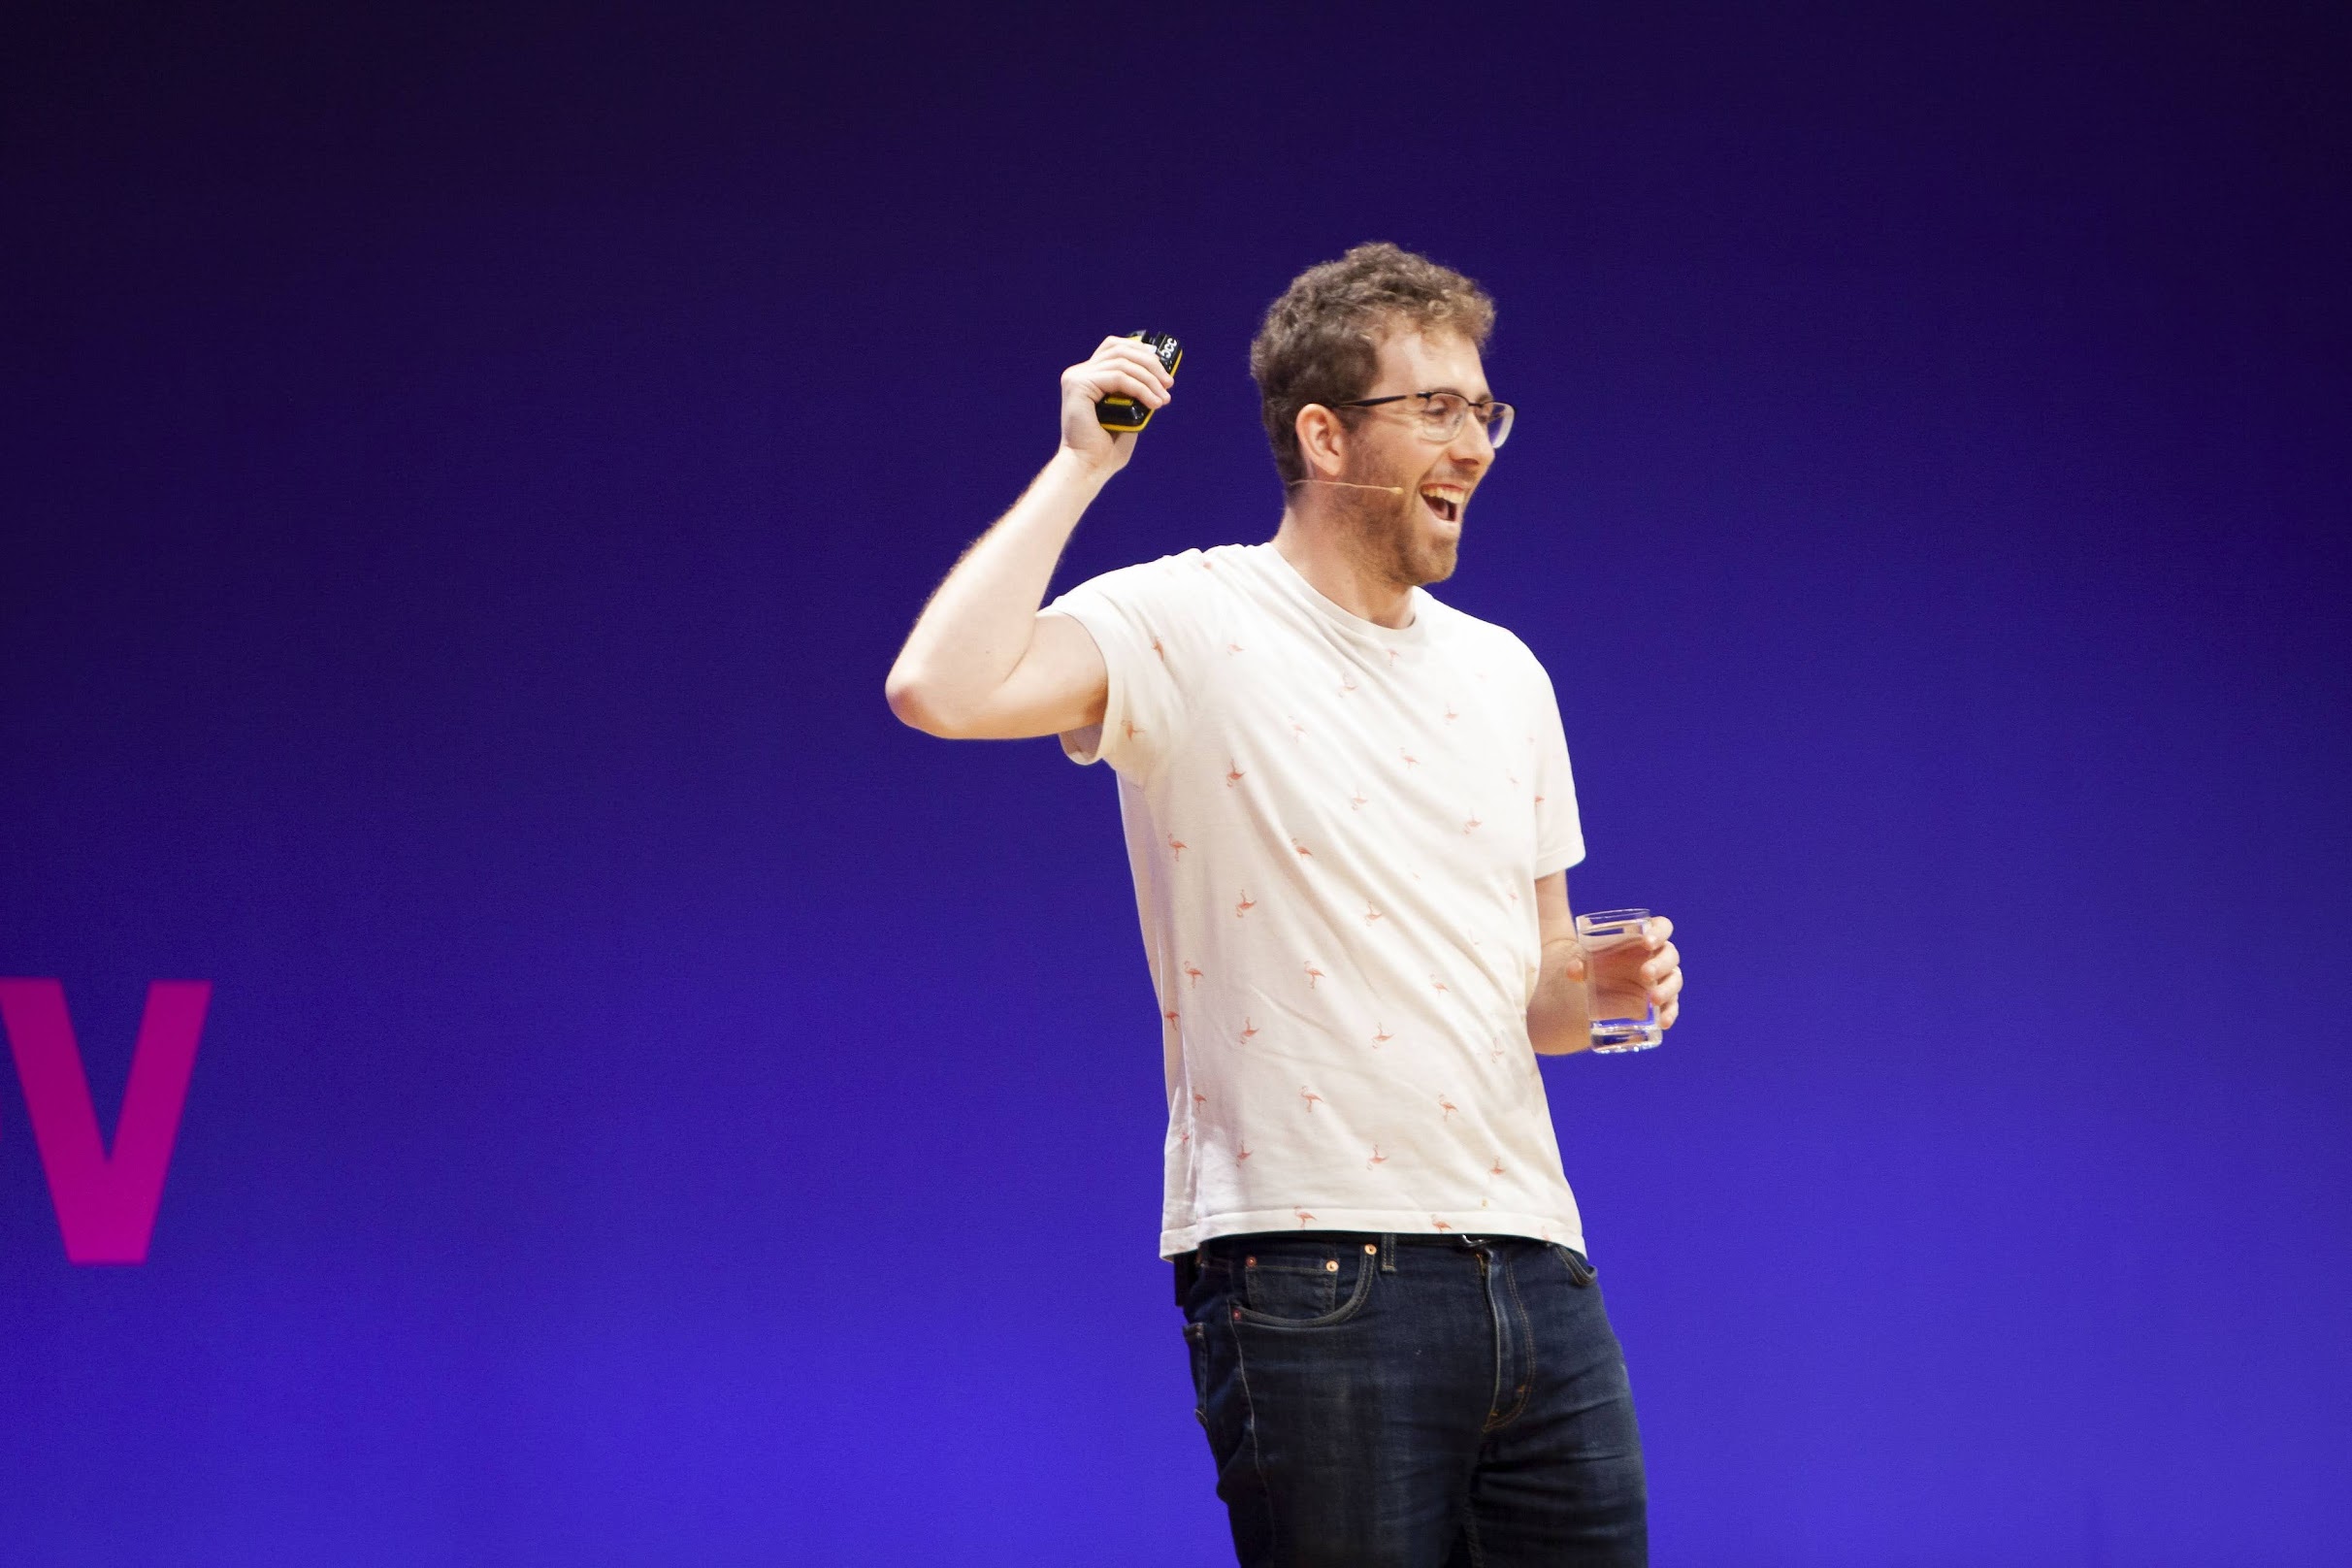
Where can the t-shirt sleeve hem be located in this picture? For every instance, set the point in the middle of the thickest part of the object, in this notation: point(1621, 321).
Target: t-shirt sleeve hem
point(1086, 744)
point(1559, 860)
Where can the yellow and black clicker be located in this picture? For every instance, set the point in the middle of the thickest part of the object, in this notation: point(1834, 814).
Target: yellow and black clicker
point(1122, 413)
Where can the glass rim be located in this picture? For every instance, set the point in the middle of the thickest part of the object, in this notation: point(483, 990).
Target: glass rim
point(1612, 917)
point(1496, 421)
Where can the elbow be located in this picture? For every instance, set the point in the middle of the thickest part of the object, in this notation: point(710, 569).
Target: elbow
point(913, 707)
point(905, 700)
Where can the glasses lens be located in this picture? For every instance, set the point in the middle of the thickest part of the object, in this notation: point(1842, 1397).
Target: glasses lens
point(1440, 415)
point(1498, 422)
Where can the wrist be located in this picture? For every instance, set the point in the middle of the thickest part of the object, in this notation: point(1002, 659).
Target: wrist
point(1071, 465)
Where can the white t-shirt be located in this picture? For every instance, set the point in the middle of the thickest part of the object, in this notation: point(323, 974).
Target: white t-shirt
point(1335, 829)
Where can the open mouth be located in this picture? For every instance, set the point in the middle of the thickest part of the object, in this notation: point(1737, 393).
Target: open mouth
point(1444, 501)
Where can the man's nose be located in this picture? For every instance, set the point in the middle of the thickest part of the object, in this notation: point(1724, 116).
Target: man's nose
point(1471, 446)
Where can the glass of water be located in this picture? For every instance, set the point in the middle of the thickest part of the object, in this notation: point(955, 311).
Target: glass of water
point(1617, 997)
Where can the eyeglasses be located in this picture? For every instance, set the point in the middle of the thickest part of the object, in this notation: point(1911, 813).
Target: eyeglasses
point(1440, 415)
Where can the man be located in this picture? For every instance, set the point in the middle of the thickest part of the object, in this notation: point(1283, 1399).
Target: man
point(1348, 813)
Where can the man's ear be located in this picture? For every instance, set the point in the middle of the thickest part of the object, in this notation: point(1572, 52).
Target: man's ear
point(1322, 440)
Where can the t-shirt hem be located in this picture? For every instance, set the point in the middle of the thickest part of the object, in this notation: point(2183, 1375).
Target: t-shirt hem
point(1381, 1222)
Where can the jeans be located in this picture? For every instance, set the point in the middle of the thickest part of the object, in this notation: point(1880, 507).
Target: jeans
point(1423, 1400)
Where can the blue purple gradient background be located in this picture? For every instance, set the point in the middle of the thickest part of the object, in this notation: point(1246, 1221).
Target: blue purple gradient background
point(466, 471)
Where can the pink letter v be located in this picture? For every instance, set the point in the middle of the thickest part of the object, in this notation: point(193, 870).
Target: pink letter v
point(105, 1206)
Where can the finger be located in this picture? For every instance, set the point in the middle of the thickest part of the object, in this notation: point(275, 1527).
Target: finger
point(1673, 1011)
point(1665, 960)
point(1666, 989)
point(1128, 350)
point(1657, 928)
point(1102, 381)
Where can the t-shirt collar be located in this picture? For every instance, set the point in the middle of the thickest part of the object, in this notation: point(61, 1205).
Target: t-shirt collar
point(1290, 580)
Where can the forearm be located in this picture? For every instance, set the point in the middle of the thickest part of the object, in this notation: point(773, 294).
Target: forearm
point(976, 627)
point(1557, 1022)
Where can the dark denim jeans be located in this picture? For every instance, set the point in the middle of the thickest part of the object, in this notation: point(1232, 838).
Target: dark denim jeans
point(1423, 1401)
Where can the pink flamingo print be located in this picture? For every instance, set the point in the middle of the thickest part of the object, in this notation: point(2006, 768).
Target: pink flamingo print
point(1438, 1224)
point(1391, 658)
point(1347, 684)
point(1248, 1030)
point(1177, 847)
point(1247, 904)
point(1198, 1100)
point(1310, 1096)
point(1234, 647)
point(1451, 716)
point(1355, 803)
point(1539, 800)
point(1411, 761)
point(1298, 731)
point(1514, 895)
point(1243, 1153)
point(1497, 1169)
point(1512, 776)
point(1380, 1036)
point(1157, 649)
point(1378, 1159)
point(1193, 972)
point(1169, 1015)
point(1313, 974)
point(1303, 1215)
point(1133, 729)
point(1472, 824)
point(1449, 1106)
point(1233, 774)
point(1439, 985)
point(1370, 914)
point(1304, 851)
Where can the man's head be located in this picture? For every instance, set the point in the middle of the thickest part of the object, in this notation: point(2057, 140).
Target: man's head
point(1341, 333)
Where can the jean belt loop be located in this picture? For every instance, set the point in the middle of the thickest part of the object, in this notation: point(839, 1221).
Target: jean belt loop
point(1388, 1253)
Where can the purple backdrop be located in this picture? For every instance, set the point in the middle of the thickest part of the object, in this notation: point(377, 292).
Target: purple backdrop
point(466, 475)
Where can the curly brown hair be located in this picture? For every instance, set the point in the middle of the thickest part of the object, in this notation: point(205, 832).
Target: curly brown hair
point(1320, 341)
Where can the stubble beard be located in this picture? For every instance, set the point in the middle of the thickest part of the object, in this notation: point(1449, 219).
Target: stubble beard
point(1388, 535)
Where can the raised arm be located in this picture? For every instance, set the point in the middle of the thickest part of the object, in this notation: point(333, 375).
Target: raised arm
point(982, 664)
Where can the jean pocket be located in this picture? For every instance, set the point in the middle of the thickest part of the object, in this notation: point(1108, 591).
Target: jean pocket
point(1196, 1347)
point(1581, 1271)
point(1303, 1284)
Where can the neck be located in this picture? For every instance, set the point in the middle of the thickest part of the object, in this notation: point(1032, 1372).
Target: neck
point(1321, 548)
